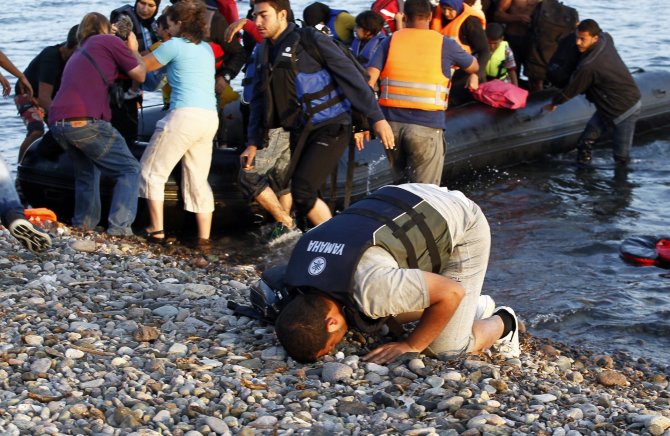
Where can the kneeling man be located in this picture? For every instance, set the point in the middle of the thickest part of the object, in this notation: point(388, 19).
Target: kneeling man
point(411, 252)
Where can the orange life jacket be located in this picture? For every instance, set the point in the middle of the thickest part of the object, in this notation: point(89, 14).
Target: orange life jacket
point(40, 214)
point(453, 29)
point(412, 76)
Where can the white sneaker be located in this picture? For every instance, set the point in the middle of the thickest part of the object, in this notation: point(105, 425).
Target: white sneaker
point(485, 307)
point(508, 346)
point(32, 238)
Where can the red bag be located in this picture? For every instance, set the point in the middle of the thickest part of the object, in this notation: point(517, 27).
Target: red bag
point(501, 94)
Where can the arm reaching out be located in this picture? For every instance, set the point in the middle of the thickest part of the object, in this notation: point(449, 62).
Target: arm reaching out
point(445, 296)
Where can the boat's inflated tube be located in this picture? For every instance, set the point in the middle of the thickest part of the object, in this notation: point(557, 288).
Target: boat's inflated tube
point(646, 250)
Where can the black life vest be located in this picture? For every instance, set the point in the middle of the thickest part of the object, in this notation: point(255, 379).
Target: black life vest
point(402, 223)
point(144, 43)
point(294, 95)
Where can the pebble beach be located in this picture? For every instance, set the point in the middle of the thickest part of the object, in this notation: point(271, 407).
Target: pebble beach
point(109, 336)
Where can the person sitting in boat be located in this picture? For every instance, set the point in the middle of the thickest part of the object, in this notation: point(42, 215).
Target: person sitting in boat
point(141, 19)
point(311, 98)
point(515, 15)
point(80, 122)
point(369, 33)
point(44, 73)
point(408, 92)
point(501, 66)
point(186, 133)
point(464, 24)
point(406, 253)
point(607, 83)
point(339, 22)
point(13, 218)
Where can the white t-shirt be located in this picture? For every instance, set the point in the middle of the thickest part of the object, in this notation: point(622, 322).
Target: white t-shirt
point(381, 287)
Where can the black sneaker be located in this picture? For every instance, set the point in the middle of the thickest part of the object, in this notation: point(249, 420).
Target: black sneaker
point(583, 156)
point(280, 230)
point(31, 237)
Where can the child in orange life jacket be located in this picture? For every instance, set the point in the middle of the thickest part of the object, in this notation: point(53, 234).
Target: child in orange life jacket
point(502, 65)
point(368, 35)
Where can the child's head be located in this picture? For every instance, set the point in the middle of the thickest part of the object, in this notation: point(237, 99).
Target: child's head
point(494, 33)
point(368, 24)
point(162, 28)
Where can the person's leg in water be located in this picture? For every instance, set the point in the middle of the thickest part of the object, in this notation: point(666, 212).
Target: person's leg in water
point(318, 160)
point(594, 129)
point(622, 137)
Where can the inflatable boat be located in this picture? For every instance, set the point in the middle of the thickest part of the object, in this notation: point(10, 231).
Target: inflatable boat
point(477, 136)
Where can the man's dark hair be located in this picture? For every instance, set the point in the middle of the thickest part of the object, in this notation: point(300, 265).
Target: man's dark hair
point(370, 21)
point(71, 41)
point(494, 31)
point(590, 26)
point(301, 327)
point(316, 13)
point(418, 9)
point(277, 5)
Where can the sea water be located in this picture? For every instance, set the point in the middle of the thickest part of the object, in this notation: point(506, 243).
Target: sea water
point(556, 229)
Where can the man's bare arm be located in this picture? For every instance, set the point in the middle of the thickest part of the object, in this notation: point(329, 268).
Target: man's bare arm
point(445, 297)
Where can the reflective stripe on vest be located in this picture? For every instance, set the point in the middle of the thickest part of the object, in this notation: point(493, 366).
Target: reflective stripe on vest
point(421, 83)
point(495, 66)
point(453, 29)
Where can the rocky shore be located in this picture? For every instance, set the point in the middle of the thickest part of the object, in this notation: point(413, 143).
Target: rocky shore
point(108, 336)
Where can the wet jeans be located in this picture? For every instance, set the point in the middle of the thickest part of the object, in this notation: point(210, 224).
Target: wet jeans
point(9, 199)
point(96, 148)
point(622, 134)
point(418, 155)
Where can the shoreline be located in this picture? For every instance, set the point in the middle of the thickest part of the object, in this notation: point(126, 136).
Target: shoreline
point(102, 335)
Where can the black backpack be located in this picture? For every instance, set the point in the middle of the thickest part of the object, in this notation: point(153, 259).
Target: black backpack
point(551, 21)
point(267, 297)
point(308, 41)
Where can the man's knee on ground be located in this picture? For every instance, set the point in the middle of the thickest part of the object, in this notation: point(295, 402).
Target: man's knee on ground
point(301, 327)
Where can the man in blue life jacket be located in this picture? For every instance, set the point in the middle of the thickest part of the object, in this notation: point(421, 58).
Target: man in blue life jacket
point(605, 80)
point(410, 252)
point(311, 100)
